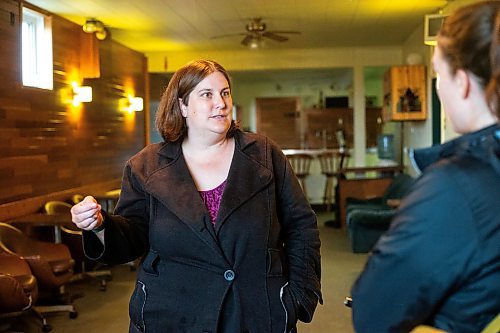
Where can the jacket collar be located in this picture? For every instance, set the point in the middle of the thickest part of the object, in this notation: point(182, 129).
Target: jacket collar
point(172, 150)
point(483, 145)
point(174, 187)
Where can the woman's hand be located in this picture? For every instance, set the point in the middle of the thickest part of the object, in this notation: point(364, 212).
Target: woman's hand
point(87, 215)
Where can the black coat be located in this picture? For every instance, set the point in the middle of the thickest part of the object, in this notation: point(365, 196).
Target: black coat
point(257, 271)
point(439, 263)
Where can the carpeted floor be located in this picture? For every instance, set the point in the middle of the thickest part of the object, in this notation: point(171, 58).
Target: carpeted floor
point(108, 311)
point(340, 267)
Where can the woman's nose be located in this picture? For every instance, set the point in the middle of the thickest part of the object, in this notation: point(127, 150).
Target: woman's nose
point(219, 101)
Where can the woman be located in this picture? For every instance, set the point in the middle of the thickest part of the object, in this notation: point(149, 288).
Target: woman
point(230, 243)
point(439, 264)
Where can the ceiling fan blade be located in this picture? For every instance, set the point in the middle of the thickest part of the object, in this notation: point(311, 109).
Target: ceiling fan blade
point(246, 40)
point(229, 35)
point(285, 32)
point(274, 36)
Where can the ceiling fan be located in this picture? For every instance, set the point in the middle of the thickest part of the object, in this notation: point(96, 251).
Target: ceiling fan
point(256, 32)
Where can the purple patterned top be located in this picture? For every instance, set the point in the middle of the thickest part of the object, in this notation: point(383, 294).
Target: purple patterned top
point(212, 199)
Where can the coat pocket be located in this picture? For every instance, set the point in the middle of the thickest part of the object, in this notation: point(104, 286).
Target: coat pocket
point(150, 263)
point(136, 307)
point(290, 308)
point(274, 265)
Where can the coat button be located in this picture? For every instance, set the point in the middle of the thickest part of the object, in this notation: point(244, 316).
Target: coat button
point(229, 275)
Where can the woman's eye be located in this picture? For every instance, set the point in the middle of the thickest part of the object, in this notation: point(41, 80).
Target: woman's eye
point(226, 94)
point(207, 94)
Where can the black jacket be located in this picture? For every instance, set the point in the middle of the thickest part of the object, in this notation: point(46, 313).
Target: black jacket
point(439, 264)
point(257, 271)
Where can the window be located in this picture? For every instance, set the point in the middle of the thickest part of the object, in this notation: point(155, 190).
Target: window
point(36, 50)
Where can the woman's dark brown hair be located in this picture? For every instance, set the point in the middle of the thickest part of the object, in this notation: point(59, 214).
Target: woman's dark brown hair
point(169, 120)
point(469, 40)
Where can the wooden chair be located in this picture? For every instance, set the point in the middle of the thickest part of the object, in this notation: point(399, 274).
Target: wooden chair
point(301, 165)
point(331, 163)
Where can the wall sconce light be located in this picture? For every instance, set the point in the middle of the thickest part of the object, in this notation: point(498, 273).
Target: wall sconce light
point(93, 25)
point(81, 94)
point(136, 104)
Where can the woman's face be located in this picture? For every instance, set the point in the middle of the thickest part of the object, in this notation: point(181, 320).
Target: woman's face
point(209, 108)
point(450, 93)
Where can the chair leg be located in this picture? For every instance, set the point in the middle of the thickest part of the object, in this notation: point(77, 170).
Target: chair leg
point(58, 308)
point(102, 275)
point(5, 325)
point(328, 195)
point(45, 325)
point(60, 302)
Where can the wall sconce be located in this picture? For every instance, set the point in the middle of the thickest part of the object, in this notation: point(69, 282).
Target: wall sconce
point(93, 25)
point(135, 104)
point(131, 104)
point(81, 94)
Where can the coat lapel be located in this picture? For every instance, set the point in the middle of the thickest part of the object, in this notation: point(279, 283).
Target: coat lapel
point(246, 178)
point(174, 187)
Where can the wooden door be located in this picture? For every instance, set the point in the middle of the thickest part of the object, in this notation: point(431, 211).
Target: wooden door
point(279, 119)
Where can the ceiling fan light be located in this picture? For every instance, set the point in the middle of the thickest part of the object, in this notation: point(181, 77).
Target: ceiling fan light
point(254, 44)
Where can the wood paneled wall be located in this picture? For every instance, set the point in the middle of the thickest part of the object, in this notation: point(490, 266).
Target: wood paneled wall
point(49, 147)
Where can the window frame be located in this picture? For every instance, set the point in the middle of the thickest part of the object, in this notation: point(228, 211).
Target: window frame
point(36, 49)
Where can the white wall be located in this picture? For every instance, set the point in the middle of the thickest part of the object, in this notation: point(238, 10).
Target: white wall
point(418, 134)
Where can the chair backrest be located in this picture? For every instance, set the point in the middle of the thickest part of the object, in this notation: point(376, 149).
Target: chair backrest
point(399, 186)
point(56, 207)
point(13, 265)
point(77, 198)
point(13, 240)
point(60, 207)
point(115, 192)
point(332, 162)
point(301, 164)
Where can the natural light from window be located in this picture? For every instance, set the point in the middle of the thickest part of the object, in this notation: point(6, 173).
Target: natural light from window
point(37, 50)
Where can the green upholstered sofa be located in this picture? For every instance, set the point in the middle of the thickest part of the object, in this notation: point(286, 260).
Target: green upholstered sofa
point(368, 219)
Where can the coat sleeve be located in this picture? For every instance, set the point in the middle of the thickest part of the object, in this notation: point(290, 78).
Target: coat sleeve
point(418, 261)
point(301, 240)
point(126, 231)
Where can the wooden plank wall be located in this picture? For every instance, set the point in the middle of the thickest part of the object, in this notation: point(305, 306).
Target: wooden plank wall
point(319, 120)
point(49, 148)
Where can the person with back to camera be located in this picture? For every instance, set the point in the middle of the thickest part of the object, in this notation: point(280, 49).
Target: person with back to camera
point(439, 263)
point(228, 239)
